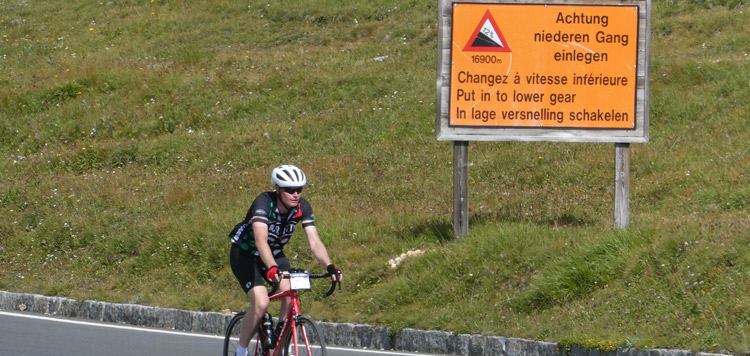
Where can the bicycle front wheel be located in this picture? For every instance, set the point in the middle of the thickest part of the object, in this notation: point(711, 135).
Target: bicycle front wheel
point(232, 339)
point(232, 335)
point(309, 340)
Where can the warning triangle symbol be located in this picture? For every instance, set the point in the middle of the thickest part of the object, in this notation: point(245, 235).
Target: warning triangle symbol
point(487, 37)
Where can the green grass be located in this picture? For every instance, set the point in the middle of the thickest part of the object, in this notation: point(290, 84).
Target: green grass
point(135, 134)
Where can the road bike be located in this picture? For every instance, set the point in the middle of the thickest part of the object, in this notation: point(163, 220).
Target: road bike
point(300, 335)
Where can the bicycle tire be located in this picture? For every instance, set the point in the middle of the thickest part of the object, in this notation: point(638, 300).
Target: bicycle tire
point(310, 342)
point(232, 341)
point(232, 335)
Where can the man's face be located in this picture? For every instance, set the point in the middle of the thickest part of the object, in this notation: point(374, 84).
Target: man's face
point(290, 196)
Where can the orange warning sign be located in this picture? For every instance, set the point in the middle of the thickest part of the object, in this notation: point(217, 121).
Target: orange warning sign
point(537, 65)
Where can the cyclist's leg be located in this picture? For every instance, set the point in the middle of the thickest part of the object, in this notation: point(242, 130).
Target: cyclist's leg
point(258, 296)
point(246, 270)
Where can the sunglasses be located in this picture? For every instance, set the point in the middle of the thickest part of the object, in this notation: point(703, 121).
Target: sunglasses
point(293, 190)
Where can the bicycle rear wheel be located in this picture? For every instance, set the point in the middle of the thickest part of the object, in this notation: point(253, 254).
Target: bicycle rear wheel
point(232, 335)
point(309, 340)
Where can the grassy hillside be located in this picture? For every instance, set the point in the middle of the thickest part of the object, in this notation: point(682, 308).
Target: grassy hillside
point(135, 134)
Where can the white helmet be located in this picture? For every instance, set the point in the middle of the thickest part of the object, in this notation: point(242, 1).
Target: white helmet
point(288, 176)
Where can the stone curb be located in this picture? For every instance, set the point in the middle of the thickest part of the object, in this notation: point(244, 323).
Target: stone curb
point(336, 334)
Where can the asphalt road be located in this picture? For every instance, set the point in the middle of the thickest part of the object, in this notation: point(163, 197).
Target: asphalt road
point(24, 334)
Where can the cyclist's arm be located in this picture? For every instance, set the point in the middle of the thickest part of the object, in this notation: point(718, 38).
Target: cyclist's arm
point(260, 230)
point(319, 250)
point(316, 246)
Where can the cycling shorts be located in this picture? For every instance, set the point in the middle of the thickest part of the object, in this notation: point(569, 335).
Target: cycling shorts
point(250, 270)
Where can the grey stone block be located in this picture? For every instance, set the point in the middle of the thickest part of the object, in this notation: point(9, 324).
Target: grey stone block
point(542, 348)
point(650, 352)
point(495, 345)
point(627, 352)
point(24, 302)
point(209, 323)
point(183, 319)
point(665, 352)
point(525, 347)
point(371, 337)
point(94, 309)
point(39, 305)
point(436, 341)
point(476, 345)
point(54, 305)
point(356, 335)
point(428, 341)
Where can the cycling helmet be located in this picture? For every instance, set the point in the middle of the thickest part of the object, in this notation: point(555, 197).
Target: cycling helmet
point(288, 176)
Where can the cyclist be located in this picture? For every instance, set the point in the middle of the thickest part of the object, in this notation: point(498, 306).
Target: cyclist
point(258, 241)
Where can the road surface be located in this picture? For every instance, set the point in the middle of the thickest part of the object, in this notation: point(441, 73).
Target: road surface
point(29, 334)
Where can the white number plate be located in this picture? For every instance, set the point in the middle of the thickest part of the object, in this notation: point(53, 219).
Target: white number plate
point(299, 281)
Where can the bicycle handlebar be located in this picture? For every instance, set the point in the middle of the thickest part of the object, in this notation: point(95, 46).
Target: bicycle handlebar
point(275, 288)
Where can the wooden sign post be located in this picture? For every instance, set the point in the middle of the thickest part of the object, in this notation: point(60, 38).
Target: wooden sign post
point(460, 188)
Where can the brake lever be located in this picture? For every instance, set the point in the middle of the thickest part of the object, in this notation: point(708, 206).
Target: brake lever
point(275, 285)
point(274, 288)
point(333, 286)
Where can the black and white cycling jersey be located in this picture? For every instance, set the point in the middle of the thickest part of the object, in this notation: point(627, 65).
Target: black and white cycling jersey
point(280, 226)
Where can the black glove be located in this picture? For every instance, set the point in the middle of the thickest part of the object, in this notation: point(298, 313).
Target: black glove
point(335, 271)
